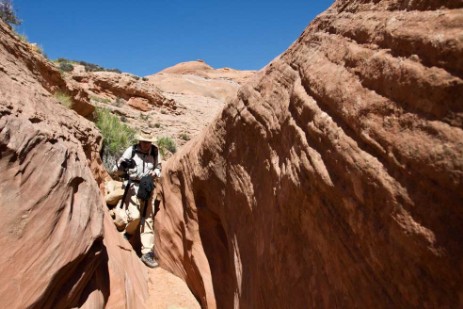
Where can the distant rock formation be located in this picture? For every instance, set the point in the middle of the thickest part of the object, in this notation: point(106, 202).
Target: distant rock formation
point(59, 246)
point(112, 86)
point(199, 79)
point(200, 93)
point(177, 102)
point(335, 177)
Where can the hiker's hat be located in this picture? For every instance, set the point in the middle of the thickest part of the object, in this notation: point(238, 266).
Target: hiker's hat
point(144, 137)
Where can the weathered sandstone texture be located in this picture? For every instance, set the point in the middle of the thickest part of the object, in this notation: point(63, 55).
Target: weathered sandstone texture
point(335, 178)
point(197, 78)
point(200, 93)
point(43, 71)
point(59, 246)
point(112, 86)
point(178, 102)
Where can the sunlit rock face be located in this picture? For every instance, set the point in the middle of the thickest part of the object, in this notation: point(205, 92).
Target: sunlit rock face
point(59, 247)
point(196, 79)
point(111, 86)
point(335, 177)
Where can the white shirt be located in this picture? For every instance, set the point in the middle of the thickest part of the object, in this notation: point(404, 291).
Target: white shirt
point(145, 163)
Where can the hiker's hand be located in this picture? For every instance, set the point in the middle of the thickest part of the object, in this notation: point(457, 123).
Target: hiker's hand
point(156, 173)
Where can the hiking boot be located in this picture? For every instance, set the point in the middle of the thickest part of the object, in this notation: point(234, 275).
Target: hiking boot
point(148, 259)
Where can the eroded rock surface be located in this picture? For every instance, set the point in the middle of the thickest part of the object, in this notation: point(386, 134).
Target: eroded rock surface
point(59, 247)
point(200, 92)
point(335, 178)
point(177, 102)
point(111, 86)
point(197, 78)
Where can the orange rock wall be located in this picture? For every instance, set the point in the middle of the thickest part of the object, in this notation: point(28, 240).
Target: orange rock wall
point(59, 247)
point(335, 178)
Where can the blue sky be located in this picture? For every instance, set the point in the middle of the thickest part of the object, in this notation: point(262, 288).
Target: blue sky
point(143, 37)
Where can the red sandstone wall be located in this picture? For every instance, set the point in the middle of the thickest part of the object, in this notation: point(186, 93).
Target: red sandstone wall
point(59, 247)
point(335, 178)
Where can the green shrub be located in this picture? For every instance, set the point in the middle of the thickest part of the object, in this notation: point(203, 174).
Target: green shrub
point(113, 70)
point(156, 125)
point(144, 117)
point(90, 67)
point(166, 143)
point(23, 38)
point(66, 67)
point(64, 98)
point(7, 13)
point(184, 136)
point(117, 136)
point(38, 48)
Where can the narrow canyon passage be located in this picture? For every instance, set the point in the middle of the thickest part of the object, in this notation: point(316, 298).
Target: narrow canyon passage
point(331, 178)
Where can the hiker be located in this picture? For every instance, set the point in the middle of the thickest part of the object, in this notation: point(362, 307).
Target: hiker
point(141, 163)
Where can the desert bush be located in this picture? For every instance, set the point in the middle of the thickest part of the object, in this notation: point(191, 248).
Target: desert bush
point(144, 117)
point(184, 136)
point(117, 136)
point(23, 38)
point(113, 70)
point(38, 48)
point(165, 144)
point(7, 13)
point(66, 67)
point(64, 98)
point(156, 125)
point(90, 67)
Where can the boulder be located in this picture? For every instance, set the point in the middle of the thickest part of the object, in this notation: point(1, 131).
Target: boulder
point(140, 104)
point(114, 192)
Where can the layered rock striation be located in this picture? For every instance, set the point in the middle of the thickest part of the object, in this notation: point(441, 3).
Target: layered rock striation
point(335, 177)
point(111, 85)
point(200, 92)
point(43, 71)
point(176, 103)
point(59, 246)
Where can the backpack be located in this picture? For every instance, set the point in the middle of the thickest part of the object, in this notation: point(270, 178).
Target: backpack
point(145, 188)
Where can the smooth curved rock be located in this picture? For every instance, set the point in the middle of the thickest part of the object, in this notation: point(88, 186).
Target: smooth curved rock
point(196, 78)
point(59, 246)
point(335, 178)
